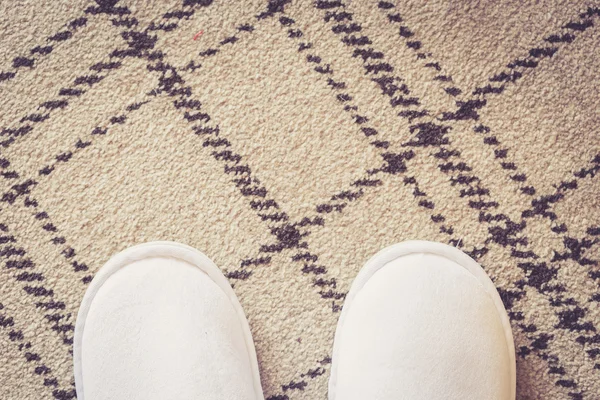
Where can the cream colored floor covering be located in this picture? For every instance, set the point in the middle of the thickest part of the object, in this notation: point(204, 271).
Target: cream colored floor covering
point(289, 142)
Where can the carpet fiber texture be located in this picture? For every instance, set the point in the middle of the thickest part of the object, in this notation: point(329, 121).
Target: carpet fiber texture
point(290, 141)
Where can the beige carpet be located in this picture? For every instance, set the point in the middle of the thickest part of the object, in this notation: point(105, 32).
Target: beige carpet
point(290, 141)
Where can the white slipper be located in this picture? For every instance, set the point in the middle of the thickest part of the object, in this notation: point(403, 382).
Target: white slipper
point(160, 321)
point(423, 321)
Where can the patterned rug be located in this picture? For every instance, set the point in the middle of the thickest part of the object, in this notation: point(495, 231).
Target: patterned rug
point(290, 141)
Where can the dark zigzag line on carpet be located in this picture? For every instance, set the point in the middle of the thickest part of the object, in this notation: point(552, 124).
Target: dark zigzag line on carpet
point(312, 373)
point(39, 52)
point(31, 357)
point(46, 300)
point(574, 248)
point(24, 189)
point(138, 42)
point(425, 139)
point(535, 55)
point(394, 163)
point(577, 248)
point(426, 59)
point(543, 205)
point(519, 66)
point(60, 323)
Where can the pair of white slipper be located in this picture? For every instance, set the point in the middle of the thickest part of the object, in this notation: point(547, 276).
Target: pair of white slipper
point(422, 321)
